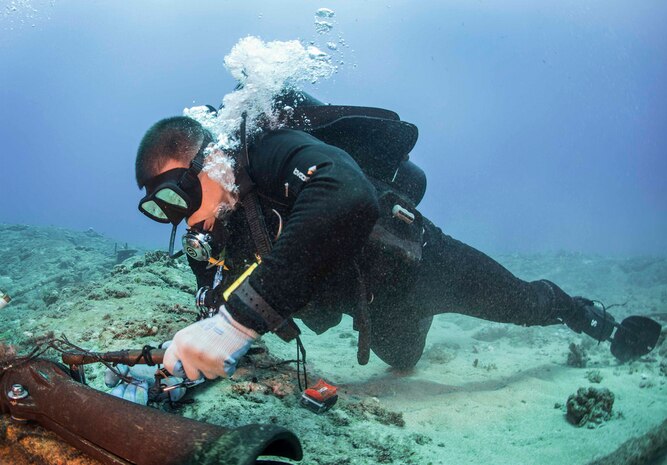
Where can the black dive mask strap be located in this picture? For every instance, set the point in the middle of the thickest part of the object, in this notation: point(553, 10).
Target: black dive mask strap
point(197, 163)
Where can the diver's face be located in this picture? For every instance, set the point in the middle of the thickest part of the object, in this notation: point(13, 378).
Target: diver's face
point(213, 196)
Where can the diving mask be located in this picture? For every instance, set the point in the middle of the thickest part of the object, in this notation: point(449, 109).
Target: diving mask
point(175, 194)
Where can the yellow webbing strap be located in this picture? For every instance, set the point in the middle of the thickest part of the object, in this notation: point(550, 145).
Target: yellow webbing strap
point(239, 280)
point(218, 262)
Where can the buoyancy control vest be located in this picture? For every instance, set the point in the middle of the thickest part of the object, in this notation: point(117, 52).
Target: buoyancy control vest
point(376, 138)
point(380, 142)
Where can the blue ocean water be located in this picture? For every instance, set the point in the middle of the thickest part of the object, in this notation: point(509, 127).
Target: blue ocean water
point(542, 129)
point(542, 124)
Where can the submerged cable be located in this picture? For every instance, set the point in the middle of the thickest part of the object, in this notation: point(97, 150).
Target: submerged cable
point(61, 345)
point(301, 352)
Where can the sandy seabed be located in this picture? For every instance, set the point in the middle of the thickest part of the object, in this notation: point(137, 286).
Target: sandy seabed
point(483, 392)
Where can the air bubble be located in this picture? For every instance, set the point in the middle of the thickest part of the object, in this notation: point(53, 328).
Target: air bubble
point(263, 70)
point(322, 27)
point(325, 13)
point(316, 54)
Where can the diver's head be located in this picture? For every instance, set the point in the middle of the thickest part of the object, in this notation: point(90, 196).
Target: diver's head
point(169, 165)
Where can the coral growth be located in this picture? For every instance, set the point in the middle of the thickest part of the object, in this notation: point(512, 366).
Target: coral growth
point(594, 376)
point(577, 357)
point(371, 409)
point(590, 406)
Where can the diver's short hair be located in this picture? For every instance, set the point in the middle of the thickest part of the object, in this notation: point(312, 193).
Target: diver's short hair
point(169, 139)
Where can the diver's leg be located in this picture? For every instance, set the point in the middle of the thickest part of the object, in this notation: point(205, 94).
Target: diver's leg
point(455, 277)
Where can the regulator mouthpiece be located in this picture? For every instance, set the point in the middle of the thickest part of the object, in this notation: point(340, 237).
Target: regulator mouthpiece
point(4, 299)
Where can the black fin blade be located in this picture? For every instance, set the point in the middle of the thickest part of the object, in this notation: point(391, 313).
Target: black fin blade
point(635, 337)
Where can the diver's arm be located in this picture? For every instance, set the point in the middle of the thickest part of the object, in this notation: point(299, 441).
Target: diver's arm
point(334, 210)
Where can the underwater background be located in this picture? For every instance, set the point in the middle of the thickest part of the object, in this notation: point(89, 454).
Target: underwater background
point(542, 124)
point(543, 134)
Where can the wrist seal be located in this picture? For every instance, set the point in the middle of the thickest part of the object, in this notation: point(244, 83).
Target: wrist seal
point(260, 312)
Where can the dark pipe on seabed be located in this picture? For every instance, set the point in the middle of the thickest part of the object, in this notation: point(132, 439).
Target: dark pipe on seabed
point(118, 432)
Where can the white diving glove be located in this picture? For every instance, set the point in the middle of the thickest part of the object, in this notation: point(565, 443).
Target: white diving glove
point(210, 347)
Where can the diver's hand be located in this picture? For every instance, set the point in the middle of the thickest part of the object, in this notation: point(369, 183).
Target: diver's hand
point(210, 347)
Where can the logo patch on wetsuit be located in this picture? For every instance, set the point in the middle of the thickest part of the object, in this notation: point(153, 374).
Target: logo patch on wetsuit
point(300, 175)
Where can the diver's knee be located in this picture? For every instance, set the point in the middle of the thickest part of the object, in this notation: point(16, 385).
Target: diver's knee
point(401, 346)
point(399, 359)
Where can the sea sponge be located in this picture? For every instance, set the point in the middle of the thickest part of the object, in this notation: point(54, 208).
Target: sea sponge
point(590, 405)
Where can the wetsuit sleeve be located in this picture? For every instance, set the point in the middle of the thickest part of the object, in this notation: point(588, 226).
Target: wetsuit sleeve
point(334, 209)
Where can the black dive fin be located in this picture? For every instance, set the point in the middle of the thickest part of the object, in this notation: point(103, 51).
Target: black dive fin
point(636, 336)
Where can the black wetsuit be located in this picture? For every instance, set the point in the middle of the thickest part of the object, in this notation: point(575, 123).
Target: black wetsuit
point(328, 207)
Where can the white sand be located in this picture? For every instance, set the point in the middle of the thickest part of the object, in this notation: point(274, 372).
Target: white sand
point(500, 411)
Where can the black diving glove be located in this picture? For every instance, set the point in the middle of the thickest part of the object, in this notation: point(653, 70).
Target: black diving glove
point(591, 319)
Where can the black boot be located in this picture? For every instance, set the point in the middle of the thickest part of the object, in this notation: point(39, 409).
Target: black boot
point(591, 318)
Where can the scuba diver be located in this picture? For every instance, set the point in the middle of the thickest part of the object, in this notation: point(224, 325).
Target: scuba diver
point(318, 218)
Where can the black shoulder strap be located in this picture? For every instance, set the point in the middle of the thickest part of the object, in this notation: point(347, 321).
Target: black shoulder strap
point(249, 200)
point(285, 328)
